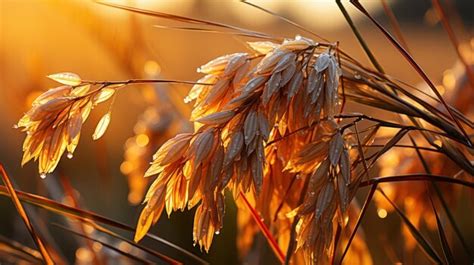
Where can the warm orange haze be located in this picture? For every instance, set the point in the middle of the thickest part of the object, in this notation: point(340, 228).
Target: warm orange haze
point(236, 132)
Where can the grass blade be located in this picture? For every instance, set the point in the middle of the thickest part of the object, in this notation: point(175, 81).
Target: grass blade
point(424, 244)
point(189, 20)
point(417, 177)
point(413, 63)
point(24, 216)
point(128, 255)
point(204, 30)
point(442, 236)
point(359, 37)
point(284, 19)
point(359, 220)
point(31, 253)
point(390, 144)
point(69, 191)
point(72, 212)
point(394, 23)
point(131, 242)
point(450, 216)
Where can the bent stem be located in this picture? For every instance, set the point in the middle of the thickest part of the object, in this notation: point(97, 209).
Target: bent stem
point(266, 232)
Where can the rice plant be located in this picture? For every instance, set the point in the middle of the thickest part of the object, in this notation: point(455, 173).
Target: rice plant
point(272, 128)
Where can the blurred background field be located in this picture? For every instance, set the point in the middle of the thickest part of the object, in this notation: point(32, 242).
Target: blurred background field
point(39, 37)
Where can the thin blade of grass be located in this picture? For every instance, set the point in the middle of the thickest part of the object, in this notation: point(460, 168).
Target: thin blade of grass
point(9, 255)
point(266, 232)
point(105, 244)
point(453, 223)
point(289, 21)
point(422, 242)
point(434, 120)
point(394, 23)
point(131, 242)
point(204, 30)
point(69, 191)
point(417, 177)
point(448, 255)
point(295, 24)
point(361, 152)
point(24, 216)
point(359, 37)
point(72, 212)
point(456, 112)
point(32, 253)
point(163, 15)
point(389, 144)
point(368, 199)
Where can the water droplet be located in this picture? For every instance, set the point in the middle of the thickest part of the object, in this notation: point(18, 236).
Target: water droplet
point(217, 232)
point(357, 76)
point(15, 126)
point(43, 175)
point(69, 155)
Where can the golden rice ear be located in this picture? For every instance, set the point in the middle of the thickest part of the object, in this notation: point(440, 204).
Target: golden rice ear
point(70, 79)
point(52, 93)
point(297, 44)
point(143, 225)
point(102, 126)
point(103, 95)
point(200, 88)
point(263, 47)
point(80, 91)
point(250, 127)
point(215, 66)
point(202, 146)
point(234, 147)
point(54, 122)
point(217, 118)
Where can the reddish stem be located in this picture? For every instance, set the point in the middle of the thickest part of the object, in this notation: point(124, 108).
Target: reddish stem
point(266, 232)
